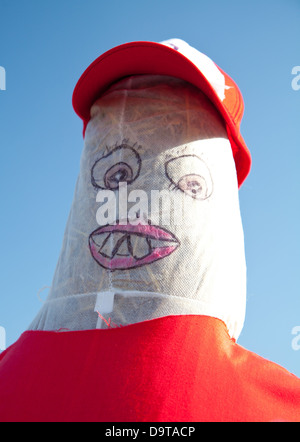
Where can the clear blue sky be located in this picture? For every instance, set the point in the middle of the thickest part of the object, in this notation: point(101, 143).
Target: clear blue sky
point(46, 45)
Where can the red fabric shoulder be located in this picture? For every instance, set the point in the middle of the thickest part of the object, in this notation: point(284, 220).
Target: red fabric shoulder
point(172, 369)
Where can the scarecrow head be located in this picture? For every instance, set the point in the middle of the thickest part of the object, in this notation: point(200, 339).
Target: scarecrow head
point(155, 226)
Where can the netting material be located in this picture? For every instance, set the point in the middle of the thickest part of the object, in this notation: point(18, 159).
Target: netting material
point(154, 134)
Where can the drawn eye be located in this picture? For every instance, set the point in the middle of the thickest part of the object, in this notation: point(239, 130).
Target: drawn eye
point(190, 174)
point(192, 185)
point(120, 172)
point(123, 164)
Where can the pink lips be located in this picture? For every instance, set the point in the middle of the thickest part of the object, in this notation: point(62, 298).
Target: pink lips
point(122, 247)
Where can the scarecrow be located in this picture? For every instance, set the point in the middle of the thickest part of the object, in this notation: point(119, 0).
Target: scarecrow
point(148, 296)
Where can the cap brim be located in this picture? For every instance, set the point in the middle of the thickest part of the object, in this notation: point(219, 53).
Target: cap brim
point(153, 58)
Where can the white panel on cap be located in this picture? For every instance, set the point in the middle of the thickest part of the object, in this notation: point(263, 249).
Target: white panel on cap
point(203, 63)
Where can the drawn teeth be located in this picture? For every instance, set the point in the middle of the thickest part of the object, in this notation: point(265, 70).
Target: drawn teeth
point(112, 243)
point(100, 240)
point(124, 244)
point(140, 246)
point(122, 248)
point(159, 243)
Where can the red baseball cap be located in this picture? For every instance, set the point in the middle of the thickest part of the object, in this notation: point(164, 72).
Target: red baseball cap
point(174, 58)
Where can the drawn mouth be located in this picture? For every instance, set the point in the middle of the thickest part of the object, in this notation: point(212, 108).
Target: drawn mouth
point(122, 247)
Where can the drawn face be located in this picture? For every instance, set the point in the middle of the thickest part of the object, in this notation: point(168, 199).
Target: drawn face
point(137, 242)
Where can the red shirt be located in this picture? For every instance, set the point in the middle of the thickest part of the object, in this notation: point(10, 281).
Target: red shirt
point(172, 369)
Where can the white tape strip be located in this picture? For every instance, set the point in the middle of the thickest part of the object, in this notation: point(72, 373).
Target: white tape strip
point(104, 304)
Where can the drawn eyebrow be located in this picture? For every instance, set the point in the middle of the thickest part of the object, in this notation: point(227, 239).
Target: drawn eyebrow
point(124, 143)
point(107, 150)
point(178, 153)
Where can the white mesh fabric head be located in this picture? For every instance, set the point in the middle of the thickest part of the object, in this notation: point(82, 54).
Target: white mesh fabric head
point(155, 225)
